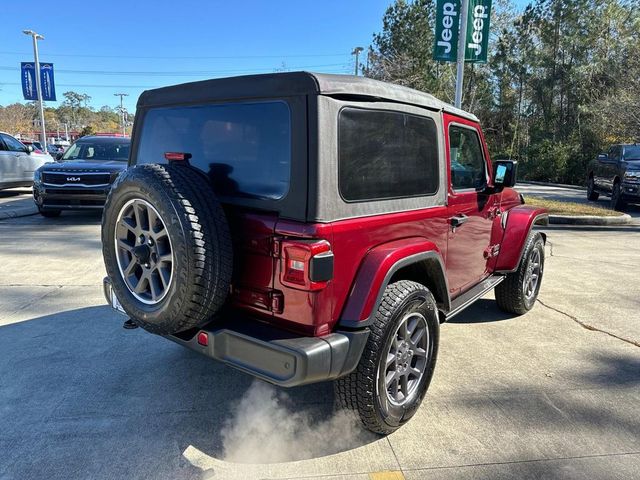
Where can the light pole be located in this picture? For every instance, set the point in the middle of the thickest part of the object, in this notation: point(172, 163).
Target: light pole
point(36, 37)
point(121, 95)
point(356, 52)
point(462, 36)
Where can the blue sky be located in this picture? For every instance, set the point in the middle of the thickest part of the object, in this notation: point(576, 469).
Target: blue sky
point(95, 45)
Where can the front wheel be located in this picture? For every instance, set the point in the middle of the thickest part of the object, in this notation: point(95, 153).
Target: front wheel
point(519, 291)
point(398, 361)
point(49, 213)
point(616, 198)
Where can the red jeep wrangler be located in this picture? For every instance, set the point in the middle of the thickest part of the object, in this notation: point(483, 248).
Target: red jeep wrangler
point(304, 227)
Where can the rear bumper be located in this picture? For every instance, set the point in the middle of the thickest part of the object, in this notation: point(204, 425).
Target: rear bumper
point(271, 354)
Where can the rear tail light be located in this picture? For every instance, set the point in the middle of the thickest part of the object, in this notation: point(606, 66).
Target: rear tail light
point(306, 264)
point(177, 156)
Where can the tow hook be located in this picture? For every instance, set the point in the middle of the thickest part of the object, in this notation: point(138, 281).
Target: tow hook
point(129, 325)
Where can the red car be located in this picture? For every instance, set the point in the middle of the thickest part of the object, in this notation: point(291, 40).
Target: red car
point(304, 227)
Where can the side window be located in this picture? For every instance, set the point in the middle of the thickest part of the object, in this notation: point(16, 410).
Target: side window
point(12, 144)
point(467, 162)
point(616, 154)
point(386, 155)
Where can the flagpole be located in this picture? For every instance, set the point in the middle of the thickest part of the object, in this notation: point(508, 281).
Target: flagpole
point(462, 36)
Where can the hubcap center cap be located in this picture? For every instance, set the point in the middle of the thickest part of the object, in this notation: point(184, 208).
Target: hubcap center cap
point(142, 253)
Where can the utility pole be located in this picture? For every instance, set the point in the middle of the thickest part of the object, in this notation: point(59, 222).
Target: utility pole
point(36, 37)
point(462, 37)
point(121, 95)
point(356, 52)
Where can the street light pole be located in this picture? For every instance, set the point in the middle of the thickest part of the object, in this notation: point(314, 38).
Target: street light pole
point(462, 36)
point(36, 37)
point(356, 52)
point(121, 95)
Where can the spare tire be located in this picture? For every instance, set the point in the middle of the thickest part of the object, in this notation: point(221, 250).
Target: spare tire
point(166, 247)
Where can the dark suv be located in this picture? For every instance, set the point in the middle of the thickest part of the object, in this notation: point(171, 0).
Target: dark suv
point(304, 227)
point(617, 175)
point(82, 177)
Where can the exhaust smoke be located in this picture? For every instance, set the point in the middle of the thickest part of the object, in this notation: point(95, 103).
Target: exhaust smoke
point(267, 427)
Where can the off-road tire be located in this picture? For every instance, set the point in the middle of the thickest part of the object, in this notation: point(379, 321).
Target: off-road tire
point(510, 293)
point(200, 243)
point(616, 198)
point(49, 213)
point(359, 391)
point(592, 195)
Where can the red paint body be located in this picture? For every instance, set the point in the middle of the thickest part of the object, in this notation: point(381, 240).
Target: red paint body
point(365, 249)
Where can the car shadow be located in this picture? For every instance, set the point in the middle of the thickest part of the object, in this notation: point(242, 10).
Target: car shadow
point(14, 192)
point(484, 310)
point(90, 399)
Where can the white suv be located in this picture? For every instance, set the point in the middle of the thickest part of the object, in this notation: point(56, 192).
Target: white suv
point(18, 162)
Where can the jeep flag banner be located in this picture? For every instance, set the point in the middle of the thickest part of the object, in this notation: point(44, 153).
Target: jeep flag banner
point(47, 84)
point(447, 26)
point(477, 36)
point(448, 15)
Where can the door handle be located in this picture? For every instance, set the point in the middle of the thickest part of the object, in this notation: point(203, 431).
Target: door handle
point(458, 220)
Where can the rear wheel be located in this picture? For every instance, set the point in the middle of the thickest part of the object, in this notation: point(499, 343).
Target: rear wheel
point(166, 247)
point(397, 364)
point(592, 195)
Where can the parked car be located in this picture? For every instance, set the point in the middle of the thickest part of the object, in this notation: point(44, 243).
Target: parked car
point(305, 227)
point(18, 162)
point(616, 174)
point(37, 146)
point(83, 176)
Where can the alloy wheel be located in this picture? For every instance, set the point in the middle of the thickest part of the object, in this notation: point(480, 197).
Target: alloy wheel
point(532, 277)
point(406, 360)
point(143, 251)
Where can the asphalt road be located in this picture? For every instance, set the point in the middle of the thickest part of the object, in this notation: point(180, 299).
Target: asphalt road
point(553, 394)
point(577, 195)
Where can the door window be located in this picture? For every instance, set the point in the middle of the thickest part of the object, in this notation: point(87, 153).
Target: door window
point(467, 162)
point(12, 144)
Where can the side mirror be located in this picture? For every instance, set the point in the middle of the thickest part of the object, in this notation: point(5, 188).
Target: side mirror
point(29, 149)
point(504, 174)
point(59, 155)
point(603, 157)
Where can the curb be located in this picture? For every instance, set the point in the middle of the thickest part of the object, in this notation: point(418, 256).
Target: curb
point(25, 211)
point(547, 184)
point(589, 220)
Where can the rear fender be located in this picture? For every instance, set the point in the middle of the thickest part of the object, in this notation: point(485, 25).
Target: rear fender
point(519, 222)
point(416, 255)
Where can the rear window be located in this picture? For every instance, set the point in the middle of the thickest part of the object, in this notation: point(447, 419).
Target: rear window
point(385, 155)
point(244, 148)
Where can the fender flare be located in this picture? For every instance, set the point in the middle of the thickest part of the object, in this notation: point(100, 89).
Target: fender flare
point(378, 268)
point(519, 222)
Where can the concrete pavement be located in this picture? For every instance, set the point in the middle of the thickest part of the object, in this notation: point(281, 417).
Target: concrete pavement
point(17, 202)
point(537, 396)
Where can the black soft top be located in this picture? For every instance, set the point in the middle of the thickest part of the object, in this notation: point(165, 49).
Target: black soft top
point(291, 84)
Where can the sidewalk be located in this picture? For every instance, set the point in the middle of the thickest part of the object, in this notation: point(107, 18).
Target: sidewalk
point(16, 202)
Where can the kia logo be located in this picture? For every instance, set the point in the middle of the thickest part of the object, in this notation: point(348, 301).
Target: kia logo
point(73, 179)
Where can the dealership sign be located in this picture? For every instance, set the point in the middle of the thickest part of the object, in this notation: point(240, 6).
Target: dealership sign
point(47, 84)
point(448, 18)
point(477, 37)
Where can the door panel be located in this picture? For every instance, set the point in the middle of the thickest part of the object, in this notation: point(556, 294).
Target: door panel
point(471, 210)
